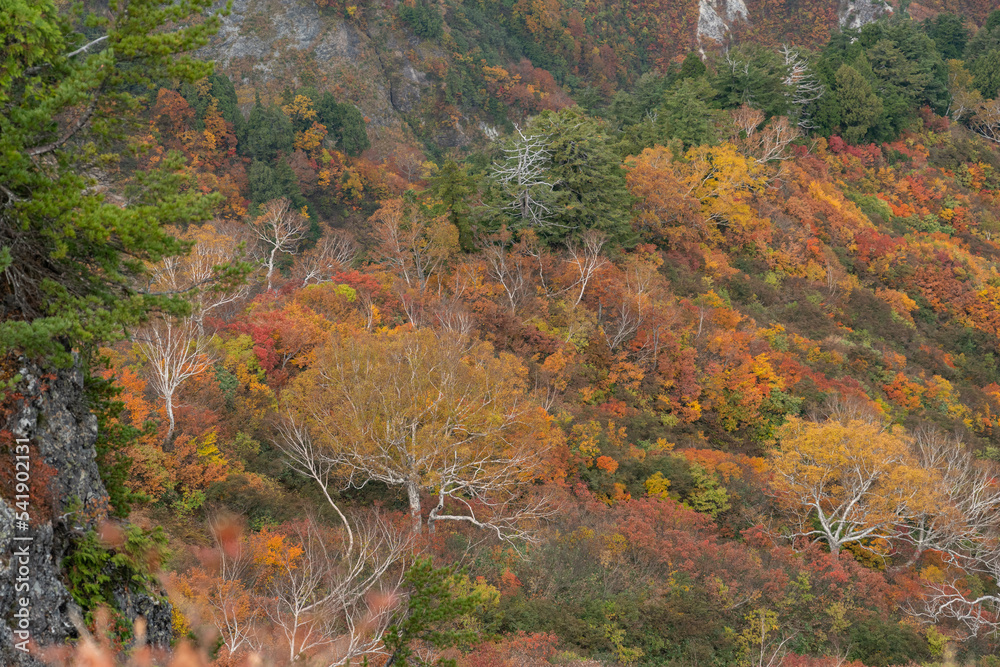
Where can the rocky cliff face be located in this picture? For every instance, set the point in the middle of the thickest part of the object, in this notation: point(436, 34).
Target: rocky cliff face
point(51, 449)
point(716, 18)
point(266, 45)
point(856, 13)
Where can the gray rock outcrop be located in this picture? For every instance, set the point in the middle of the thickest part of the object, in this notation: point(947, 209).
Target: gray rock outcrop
point(858, 13)
point(55, 430)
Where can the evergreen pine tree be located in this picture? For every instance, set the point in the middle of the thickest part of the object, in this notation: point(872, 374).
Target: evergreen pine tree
point(949, 34)
point(452, 186)
point(588, 181)
point(692, 67)
point(224, 91)
point(434, 604)
point(267, 132)
point(70, 262)
point(344, 123)
point(687, 113)
point(986, 74)
point(860, 106)
point(264, 183)
point(754, 76)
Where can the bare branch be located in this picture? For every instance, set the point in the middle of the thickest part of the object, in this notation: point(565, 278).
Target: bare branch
point(279, 229)
point(175, 352)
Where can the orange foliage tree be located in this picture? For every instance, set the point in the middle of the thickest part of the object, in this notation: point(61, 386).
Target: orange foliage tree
point(857, 479)
point(430, 414)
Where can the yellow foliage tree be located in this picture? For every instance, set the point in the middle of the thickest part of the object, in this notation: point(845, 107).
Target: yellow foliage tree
point(300, 109)
point(310, 139)
point(696, 198)
point(845, 481)
point(438, 415)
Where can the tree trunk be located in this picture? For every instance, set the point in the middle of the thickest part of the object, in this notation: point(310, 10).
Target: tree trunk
point(435, 511)
point(169, 438)
point(413, 493)
point(270, 266)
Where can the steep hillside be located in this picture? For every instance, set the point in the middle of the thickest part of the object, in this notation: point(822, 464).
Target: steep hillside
point(437, 75)
point(505, 333)
point(434, 66)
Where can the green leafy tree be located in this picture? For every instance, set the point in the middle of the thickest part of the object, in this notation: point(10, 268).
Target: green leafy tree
point(588, 182)
point(860, 106)
point(949, 34)
point(289, 184)
point(224, 91)
point(692, 67)
point(688, 114)
point(352, 134)
point(992, 20)
point(916, 70)
point(985, 40)
point(452, 186)
point(71, 261)
point(900, 85)
point(898, 62)
point(345, 123)
point(424, 17)
point(754, 76)
point(267, 132)
point(264, 183)
point(843, 49)
point(435, 603)
point(198, 102)
point(113, 436)
point(629, 108)
point(986, 74)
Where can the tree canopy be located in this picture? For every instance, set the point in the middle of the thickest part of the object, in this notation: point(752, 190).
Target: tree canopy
point(73, 262)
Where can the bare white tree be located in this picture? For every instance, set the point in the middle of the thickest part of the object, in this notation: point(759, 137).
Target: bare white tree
point(746, 119)
point(175, 351)
point(802, 86)
point(737, 65)
point(333, 253)
point(772, 141)
point(523, 176)
point(633, 306)
point(963, 104)
point(313, 462)
point(765, 639)
point(626, 317)
point(586, 260)
point(985, 120)
point(200, 273)
point(411, 246)
point(963, 100)
point(509, 264)
point(950, 601)
point(962, 528)
point(228, 597)
point(763, 143)
point(329, 604)
point(279, 229)
point(336, 602)
point(369, 309)
point(452, 317)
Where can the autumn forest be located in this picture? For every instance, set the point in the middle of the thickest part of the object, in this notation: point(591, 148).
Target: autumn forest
point(611, 345)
